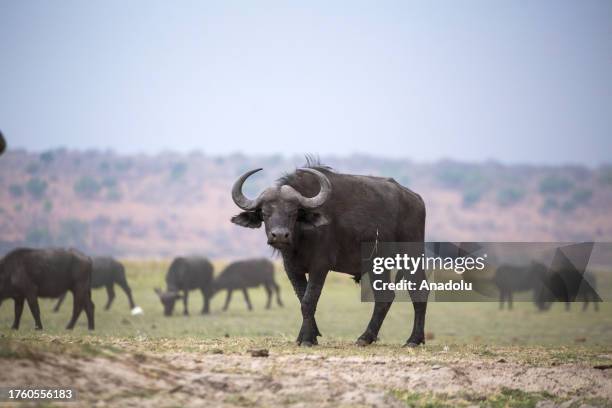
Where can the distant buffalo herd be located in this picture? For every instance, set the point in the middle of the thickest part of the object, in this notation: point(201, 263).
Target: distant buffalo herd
point(27, 274)
point(315, 218)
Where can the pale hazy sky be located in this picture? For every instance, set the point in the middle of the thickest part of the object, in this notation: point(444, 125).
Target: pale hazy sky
point(515, 81)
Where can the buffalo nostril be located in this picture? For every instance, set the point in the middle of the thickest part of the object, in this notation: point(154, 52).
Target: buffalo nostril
point(273, 235)
point(287, 235)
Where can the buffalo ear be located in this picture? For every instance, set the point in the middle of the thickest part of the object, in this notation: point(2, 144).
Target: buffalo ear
point(313, 219)
point(248, 219)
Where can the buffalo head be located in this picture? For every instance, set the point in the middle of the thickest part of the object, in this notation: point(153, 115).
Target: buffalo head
point(168, 299)
point(281, 208)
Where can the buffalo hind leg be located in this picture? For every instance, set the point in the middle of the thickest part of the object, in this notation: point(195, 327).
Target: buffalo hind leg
point(419, 304)
point(78, 304)
point(246, 299)
point(59, 302)
point(122, 282)
point(418, 330)
point(89, 311)
point(228, 298)
point(110, 291)
point(378, 316)
point(18, 311)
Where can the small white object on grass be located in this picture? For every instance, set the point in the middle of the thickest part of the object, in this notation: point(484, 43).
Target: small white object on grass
point(137, 311)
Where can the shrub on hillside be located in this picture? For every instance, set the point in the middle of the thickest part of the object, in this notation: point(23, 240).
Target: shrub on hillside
point(555, 184)
point(36, 187)
point(510, 196)
point(87, 187)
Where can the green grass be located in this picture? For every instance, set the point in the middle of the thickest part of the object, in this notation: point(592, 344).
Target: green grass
point(506, 398)
point(477, 327)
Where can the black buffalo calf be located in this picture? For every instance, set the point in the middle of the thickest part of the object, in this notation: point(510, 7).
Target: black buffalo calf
point(186, 274)
point(248, 274)
point(106, 272)
point(27, 274)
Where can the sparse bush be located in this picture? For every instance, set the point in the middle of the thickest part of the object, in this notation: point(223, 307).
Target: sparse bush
point(555, 184)
point(582, 196)
point(104, 166)
point(510, 196)
point(472, 197)
point(73, 232)
point(113, 194)
point(109, 182)
point(87, 187)
point(605, 176)
point(47, 157)
point(550, 204)
point(38, 236)
point(178, 170)
point(32, 168)
point(16, 190)
point(36, 187)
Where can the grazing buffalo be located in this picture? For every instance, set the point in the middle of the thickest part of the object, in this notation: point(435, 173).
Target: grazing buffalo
point(559, 287)
point(186, 274)
point(317, 219)
point(27, 274)
point(106, 272)
point(248, 274)
point(510, 279)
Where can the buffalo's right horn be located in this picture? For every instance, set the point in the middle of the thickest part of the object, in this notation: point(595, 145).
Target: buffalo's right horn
point(237, 195)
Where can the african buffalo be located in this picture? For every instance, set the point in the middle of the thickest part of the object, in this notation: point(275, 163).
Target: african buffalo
point(27, 274)
point(185, 274)
point(317, 219)
point(510, 279)
point(248, 274)
point(2, 143)
point(558, 287)
point(106, 272)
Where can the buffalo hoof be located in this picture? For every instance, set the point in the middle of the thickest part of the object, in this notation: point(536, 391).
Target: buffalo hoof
point(38, 328)
point(14, 328)
point(307, 344)
point(362, 343)
point(412, 344)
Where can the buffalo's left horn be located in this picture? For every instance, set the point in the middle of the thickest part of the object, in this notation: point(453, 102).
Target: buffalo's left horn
point(323, 195)
point(237, 195)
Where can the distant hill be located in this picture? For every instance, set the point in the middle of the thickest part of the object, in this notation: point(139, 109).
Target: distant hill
point(169, 204)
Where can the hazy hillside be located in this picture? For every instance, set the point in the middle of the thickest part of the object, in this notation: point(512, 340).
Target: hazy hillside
point(159, 206)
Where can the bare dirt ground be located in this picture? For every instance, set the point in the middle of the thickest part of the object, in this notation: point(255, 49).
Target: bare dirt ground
point(307, 379)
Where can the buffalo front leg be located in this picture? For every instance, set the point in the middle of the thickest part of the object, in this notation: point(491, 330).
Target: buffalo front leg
point(35, 309)
point(185, 302)
point(18, 311)
point(299, 283)
point(309, 331)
